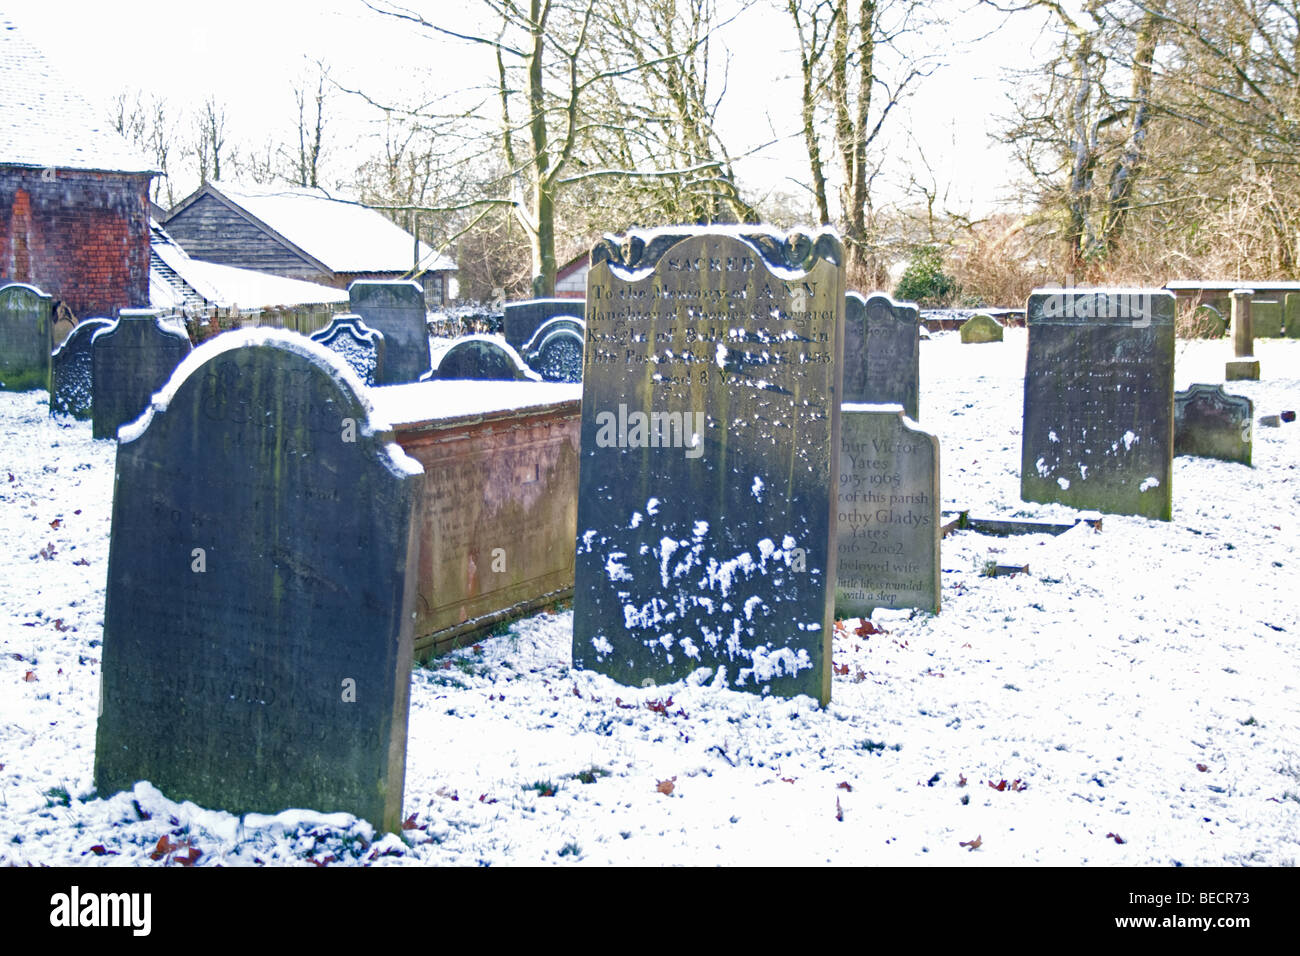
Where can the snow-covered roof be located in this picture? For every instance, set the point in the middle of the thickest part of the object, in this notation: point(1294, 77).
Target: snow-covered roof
point(221, 285)
point(341, 234)
point(48, 124)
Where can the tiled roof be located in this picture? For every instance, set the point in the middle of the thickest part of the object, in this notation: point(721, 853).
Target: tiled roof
point(47, 124)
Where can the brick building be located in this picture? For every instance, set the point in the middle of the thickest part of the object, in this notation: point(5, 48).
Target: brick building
point(74, 205)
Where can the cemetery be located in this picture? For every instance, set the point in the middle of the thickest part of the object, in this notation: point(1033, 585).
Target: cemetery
point(714, 544)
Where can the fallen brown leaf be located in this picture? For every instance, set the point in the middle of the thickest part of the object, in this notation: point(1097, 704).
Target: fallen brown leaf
point(29, 676)
point(666, 787)
point(1201, 767)
point(163, 847)
point(974, 844)
point(844, 785)
point(1116, 837)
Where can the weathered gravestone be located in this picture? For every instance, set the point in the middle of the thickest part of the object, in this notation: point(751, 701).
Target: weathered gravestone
point(360, 346)
point(71, 370)
point(981, 328)
point(1266, 317)
point(1210, 423)
point(484, 358)
point(523, 319)
point(888, 529)
point(1207, 322)
point(710, 410)
point(26, 315)
point(261, 576)
point(555, 350)
point(130, 361)
point(395, 308)
point(882, 352)
point(1292, 315)
point(1099, 395)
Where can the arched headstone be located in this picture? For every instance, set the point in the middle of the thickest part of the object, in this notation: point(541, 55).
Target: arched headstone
point(981, 328)
point(882, 352)
point(484, 358)
point(360, 346)
point(555, 350)
point(26, 319)
point(72, 368)
point(131, 360)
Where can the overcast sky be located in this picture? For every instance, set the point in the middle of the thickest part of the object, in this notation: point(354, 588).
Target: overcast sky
point(248, 52)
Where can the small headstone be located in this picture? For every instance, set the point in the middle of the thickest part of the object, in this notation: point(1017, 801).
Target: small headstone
point(1207, 322)
point(1210, 423)
point(1291, 312)
point(1099, 394)
point(889, 529)
point(261, 581)
point(131, 360)
point(395, 309)
point(709, 454)
point(523, 319)
point(26, 318)
point(882, 352)
point(72, 367)
point(484, 358)
point(555, 350)
point(1266, 317)
point(981, 328)
point(1241, 370)
point(360, 346)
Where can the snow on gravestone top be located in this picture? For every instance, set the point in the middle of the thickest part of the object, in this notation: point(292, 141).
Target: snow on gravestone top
point(71, 370)
point(360, 346)
point(131, 360)
point(882, 351)
point(1099, 399)
point(395, 308)
point(261, 580)
point(25, 338)
point(710, 407)
point(555, 350)
point(888, 527)
point(522, 319)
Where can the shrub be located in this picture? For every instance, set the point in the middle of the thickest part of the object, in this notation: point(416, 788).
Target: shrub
point(924, 280)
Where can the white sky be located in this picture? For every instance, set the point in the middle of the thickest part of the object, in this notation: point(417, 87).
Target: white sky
point(247, 53)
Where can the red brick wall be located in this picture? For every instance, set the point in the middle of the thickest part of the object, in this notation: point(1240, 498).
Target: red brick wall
point(82, 237)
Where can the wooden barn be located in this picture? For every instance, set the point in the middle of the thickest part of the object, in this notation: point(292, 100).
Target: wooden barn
point(304, 234)
point(74, 195)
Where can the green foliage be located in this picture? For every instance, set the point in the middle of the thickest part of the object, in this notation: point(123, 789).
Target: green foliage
point(544, 788)
point(58, 797)
point(924, 280)
point(876, 746)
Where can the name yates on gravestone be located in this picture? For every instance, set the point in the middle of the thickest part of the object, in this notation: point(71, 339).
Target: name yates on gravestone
point(710, 413)
point(882, 352)
point(1099, 400)
point(261, 581)
point(130, 361)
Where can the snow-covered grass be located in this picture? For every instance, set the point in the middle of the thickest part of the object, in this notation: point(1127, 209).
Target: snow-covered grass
point(1140, 684)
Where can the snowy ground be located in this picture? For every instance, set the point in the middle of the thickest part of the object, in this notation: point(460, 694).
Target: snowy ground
point(1138, 691)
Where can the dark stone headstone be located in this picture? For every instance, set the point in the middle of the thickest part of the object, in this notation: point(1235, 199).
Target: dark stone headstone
point(1207, 322)
point(981, 328)
point(360, 346)
point(261, 575)
point(72, 370)
point(1210, 423)
point(1266, 317)
point(555, 350)
point(523, 319)
point(888, 526)
point(130, 361)
point(1099, 401)
point(882, 352)
point(484, 358)
point(1291, 313)
point(710, 413)
point(26, 318)
point(395, 309)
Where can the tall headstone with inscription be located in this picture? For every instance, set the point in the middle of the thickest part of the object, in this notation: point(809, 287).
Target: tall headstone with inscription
point(261, 581)
point(888, 527)
point(1099, 396)
point(1210, 423)
point(71, 370)
point(131, 360)
point(882, 352)
point(710, 415)
point(26, 317)
point(360, 346)
point(395, 308)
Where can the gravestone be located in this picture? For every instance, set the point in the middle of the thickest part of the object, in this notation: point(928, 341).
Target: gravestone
point(981, 328)
point(1099, 394)
point(888, 528)
point(395, 309)
point(26, 317)
point(360, 346)
point(555, 350)
point(523, 319)
point(1207, 322)
point(261, 574)
point(1292, 315)
point(882, 352)
point(1266, 317)
point(131, 360)
point(1244, 367)
point(71, 370)
point(710, 411)
point(484, 358)
point(1210, 423)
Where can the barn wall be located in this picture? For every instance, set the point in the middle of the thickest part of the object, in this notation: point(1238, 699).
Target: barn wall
point(210, 230)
